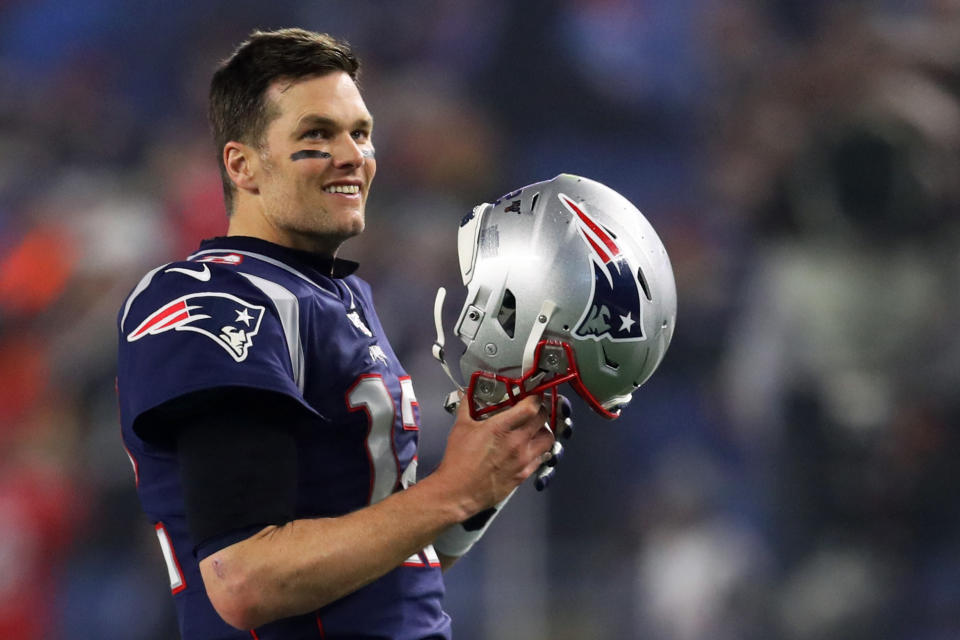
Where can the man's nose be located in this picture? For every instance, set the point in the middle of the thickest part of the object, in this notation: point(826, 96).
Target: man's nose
point(346, 152)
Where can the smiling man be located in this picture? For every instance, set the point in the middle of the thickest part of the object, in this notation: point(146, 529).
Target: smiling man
point(272, 431)
point(311, 172)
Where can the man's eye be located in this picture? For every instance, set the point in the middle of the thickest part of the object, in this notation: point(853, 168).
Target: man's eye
point(360, 134)
point(315, 134)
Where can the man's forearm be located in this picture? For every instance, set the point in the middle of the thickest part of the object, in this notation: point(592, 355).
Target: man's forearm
point(305, 564)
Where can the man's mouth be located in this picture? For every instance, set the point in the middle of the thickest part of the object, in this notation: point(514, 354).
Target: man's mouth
point(349, 189)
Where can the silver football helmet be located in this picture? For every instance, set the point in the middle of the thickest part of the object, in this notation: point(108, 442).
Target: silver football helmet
point(566, 282)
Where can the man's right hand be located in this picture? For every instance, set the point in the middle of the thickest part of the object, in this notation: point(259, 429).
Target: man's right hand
point(485, 460)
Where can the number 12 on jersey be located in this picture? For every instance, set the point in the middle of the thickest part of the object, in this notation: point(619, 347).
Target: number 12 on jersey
point(371, 394)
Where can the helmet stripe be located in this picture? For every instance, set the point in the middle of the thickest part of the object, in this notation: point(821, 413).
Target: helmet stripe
point(603, 236)
point(600, 252)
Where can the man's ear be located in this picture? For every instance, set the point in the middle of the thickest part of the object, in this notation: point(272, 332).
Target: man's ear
point(242, 163)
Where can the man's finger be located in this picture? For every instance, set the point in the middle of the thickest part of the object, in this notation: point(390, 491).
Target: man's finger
point(526, 415)
point(544, 476)
point(564, 427)
point(556, 454)
point(543, 442)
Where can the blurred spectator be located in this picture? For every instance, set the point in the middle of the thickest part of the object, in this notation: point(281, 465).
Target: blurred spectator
point(842, 369)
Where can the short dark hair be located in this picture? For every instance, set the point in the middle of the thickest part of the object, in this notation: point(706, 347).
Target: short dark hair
point(238, 107)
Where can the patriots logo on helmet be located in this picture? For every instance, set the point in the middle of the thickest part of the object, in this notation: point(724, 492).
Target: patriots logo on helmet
point(614, 310)
point(227, 320)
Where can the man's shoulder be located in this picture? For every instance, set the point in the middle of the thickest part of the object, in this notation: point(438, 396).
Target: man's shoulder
point(189, 326)
point(181, 282)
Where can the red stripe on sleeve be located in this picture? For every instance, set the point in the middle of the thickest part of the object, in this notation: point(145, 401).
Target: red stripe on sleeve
point(159, 317)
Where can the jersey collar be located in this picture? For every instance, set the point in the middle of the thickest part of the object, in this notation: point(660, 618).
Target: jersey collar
point(304, 260)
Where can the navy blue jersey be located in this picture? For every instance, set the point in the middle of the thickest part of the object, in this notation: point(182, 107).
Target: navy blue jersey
point(243, 312)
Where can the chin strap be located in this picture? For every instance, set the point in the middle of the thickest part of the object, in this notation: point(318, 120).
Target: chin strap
point(547, 310)
point(437, 350)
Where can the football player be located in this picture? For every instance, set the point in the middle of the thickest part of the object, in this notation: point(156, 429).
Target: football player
point(272, 431)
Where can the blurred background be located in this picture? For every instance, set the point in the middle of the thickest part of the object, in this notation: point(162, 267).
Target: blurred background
point(785, 474)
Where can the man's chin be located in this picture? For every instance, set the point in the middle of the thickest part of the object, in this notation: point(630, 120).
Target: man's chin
point(347, 229)
point(355, 225)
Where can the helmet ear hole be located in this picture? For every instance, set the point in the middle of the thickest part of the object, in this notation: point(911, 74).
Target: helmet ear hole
point(507, 316)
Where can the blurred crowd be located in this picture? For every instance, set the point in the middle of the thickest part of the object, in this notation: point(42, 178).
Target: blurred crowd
point(785, 474)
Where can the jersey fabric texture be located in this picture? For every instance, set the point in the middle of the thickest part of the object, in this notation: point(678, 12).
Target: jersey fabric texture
point(243, 312)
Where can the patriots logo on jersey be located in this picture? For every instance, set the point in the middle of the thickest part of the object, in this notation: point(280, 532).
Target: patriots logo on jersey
point(614, 310)
point(227, 320)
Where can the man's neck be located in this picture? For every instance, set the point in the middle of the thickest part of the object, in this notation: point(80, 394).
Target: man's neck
point(244, 222)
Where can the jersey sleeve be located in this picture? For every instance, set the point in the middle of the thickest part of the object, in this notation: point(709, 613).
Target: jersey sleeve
point(193, 327)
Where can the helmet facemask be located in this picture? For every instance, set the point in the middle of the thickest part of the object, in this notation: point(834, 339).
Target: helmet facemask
point(555, 365)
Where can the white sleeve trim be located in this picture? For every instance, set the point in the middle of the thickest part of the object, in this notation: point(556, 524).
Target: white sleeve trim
point(288, 309)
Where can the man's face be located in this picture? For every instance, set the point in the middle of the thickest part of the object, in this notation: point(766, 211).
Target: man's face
point(317, 162)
